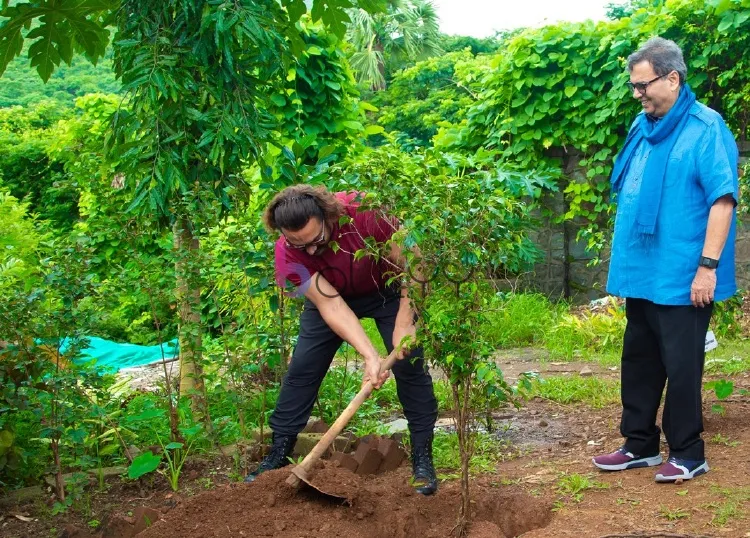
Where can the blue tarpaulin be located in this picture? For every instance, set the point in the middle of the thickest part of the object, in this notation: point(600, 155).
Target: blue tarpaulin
point(113, 356)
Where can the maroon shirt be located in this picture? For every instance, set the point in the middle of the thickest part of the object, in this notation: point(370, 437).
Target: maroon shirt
point(350, 277)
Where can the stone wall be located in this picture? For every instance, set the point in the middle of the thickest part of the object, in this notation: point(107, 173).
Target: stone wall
point(566, 270)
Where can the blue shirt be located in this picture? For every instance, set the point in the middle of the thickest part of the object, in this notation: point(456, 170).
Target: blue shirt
point(702, 167)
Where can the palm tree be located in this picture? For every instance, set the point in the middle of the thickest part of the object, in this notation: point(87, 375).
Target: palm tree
point(407, 30)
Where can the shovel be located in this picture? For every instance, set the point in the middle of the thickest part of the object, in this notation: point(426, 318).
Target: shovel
point(301, 472)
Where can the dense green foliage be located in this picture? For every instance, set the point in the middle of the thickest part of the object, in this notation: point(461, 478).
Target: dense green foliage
point(435, 93)
point(23, 87)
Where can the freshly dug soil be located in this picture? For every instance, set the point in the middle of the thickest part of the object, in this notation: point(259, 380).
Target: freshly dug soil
point(336, 481)
point(382, 506)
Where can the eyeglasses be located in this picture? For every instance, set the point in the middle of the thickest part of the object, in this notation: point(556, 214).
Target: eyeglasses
point(320, 240)
point(641, 86)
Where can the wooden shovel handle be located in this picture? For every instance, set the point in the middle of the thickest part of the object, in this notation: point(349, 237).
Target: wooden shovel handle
point(341, 422)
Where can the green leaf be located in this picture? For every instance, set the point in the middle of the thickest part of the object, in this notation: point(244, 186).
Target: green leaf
point(273, 303)
point(278, 99)
point(570, 91)
point(6, 439)
point(325, 151)
point(723, 389)
point(373, 130)
point(727, 21)
point(295, 8)
point(43, 53)
point(147, 414)
point(173, 446)
point(333, 14)
point(353, 125)
point(143, 464)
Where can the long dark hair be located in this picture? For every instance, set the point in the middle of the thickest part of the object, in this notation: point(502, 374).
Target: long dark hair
point(293, 207)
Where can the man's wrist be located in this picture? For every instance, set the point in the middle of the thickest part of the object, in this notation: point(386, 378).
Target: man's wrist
point(708, 262)
point(371, 358)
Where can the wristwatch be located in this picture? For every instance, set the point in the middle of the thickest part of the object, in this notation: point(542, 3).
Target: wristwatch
point(710, 263)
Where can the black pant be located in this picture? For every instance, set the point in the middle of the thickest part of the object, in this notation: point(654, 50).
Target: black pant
point(316, 347)
point(663, 343)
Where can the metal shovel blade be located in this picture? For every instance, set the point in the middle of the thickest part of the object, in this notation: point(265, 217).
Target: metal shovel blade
point(299, 474)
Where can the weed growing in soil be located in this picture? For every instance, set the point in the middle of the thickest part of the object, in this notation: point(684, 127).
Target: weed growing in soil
point(732, 507)
point(720, 439)
point(573, 485)
point(673, 514)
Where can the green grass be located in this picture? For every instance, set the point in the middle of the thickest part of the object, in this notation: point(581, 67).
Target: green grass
point(529, 319)
point(730, 358)
point(720, 439)
point(592, 391)
point(673, 514)
point(573, 485)
point(733, 505)
point(520, 319)
point(587, 335)
point(489, 451)
point(607, 359)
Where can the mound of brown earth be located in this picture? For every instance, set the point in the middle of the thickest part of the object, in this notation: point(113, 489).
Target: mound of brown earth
point(381, 506)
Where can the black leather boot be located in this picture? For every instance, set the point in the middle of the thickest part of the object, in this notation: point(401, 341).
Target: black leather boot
point(281, 449)
point(423, 471)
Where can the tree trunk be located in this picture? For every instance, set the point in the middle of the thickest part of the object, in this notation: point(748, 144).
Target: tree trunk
point(381, 67)
point(59, 480)
point(188, 296)
point(461, 399)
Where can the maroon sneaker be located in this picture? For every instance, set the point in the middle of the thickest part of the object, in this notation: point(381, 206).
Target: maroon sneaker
point(621, 459)
point(679, 469)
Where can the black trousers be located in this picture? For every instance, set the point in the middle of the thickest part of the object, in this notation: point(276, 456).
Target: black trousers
point(316, 347)
point(663, 343)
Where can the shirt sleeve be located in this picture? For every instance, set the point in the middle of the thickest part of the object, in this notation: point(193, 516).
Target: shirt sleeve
point(290, 268)
point(717, 163)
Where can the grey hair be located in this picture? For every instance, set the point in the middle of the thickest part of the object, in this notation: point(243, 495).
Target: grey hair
point(664, 55)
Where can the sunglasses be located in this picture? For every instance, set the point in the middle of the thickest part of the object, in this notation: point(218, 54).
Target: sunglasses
point(318, 241)
point(641, 86)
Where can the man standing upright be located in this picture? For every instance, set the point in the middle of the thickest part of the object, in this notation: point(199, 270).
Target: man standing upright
point(672, 256)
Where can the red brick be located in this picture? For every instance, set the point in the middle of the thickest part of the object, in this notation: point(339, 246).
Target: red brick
point(345, 461)
point(392, 454)
point(370, 461)
point(318, 426)
point(398, 437)
point(365, 440)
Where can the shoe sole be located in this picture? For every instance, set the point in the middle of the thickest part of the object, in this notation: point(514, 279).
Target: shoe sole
point(701, 469)
point(634, 464)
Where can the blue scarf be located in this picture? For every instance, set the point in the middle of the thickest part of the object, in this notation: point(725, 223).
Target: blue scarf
point(662, 135)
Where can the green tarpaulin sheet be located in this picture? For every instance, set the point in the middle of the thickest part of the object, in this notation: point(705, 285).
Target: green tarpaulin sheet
point(113, 356)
